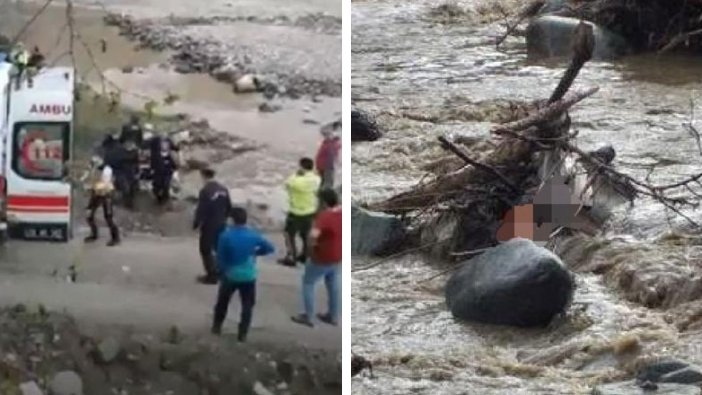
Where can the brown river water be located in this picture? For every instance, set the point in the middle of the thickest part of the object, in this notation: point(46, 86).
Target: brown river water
point(639, 282)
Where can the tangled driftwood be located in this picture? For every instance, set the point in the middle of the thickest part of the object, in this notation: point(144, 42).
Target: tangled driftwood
point(471, 201)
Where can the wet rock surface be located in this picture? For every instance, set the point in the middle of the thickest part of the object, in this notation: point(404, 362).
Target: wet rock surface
point(375, 233)
point(631, 388)
point(516, 283)
point(671, 371)
point(283, 71)
point(363, 127)
point(49, 354)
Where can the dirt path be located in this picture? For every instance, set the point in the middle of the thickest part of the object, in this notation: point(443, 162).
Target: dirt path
point(148, 283)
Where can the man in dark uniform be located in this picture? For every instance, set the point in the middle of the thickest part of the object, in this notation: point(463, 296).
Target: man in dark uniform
point(132, 131)
point(213, 207)
point(163, 165)
point(126, 169)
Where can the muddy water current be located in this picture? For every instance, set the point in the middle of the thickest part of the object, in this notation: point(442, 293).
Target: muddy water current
point(639, 282)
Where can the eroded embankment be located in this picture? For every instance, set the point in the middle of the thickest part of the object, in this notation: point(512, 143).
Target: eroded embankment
point(48, 351)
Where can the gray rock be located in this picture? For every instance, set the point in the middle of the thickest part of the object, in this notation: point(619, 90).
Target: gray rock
point(128, 69)
point(108, 350)
point(227, 73)
point(551, 36)
point(30, 388)
point(516, 283)
point(269, 107)
point(631, 388)
point(671, 371)
point(247, 83)
point(374, 233)
point(66, 383)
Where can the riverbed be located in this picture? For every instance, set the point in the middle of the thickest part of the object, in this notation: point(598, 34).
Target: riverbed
point(408, 64)
point(142, 75)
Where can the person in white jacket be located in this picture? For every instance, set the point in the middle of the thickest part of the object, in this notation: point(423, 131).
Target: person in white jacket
point(101, 188)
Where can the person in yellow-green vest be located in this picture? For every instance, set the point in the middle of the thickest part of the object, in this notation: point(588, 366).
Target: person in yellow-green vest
point(20, 58)
point(302, 188)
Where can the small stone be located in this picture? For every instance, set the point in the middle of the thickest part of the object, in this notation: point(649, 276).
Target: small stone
point(246, 84)
point(66, 383)
point(310, 122)
point(108, 350)
point(30, 388)
point(269, 107)
point(128, 69)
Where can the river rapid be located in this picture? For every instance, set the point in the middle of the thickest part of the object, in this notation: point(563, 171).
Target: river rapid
point(639, 281)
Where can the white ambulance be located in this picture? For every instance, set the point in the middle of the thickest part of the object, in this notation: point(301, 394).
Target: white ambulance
point(36, 125)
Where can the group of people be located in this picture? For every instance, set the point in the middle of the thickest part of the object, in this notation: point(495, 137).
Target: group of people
point(229, 247)
point(117, 169)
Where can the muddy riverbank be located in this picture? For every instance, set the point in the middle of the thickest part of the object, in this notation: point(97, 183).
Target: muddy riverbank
point(55, 354)
point(424, 72)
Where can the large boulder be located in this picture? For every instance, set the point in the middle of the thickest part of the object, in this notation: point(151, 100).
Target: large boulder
point(552, 36)
point(516, 283)
point(631, 388)
point(374, 233)
point(363, 127)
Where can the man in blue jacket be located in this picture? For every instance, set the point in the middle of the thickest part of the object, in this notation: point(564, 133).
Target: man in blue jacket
point(237, 249)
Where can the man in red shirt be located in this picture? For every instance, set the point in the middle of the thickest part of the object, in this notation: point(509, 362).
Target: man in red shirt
point(326, 246)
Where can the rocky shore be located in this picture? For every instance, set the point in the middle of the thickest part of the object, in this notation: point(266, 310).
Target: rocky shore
point(287, 72)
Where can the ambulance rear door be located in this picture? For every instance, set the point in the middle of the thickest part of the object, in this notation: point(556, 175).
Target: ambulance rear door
point(39, 150)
